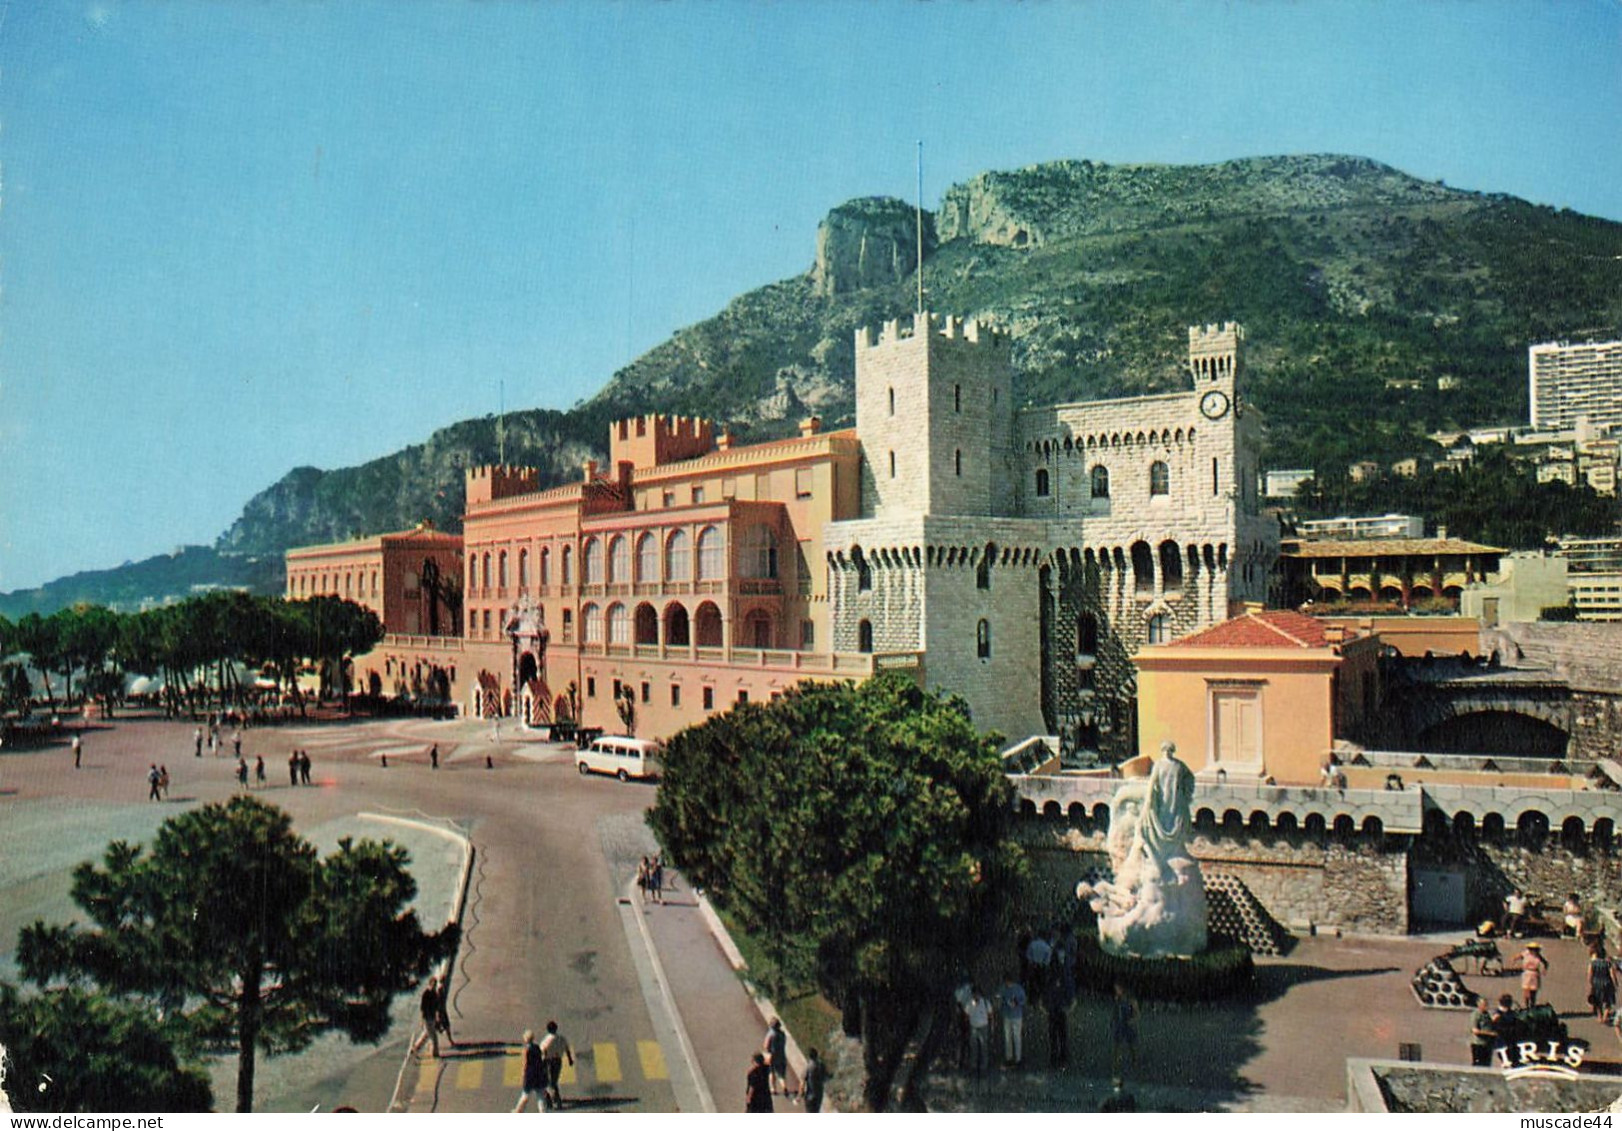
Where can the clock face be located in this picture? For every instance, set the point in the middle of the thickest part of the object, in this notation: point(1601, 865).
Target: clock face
point(1214, 403)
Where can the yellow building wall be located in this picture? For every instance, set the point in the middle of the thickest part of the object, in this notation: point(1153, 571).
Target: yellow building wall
point(1174, 702)
point(1414, 636)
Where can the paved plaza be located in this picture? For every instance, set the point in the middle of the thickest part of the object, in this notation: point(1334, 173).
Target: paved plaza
point(658, 1019)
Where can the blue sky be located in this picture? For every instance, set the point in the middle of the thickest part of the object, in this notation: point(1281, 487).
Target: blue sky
point(238, 237)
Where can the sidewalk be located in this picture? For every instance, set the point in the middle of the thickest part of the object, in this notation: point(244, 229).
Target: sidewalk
point(723, 1023)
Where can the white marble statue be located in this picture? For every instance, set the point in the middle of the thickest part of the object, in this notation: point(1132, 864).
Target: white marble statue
point(1155, 905)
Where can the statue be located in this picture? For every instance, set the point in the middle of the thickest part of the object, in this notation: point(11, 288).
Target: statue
point(1155, 906)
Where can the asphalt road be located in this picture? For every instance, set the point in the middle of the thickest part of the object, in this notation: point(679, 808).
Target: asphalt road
point(546, 937)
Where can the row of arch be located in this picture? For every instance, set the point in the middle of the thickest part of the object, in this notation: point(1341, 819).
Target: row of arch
point(624, 558)
point(1098, 481)
point(673, 626)
point(1530, 827)
point(1163, 438)
point(1389, 592)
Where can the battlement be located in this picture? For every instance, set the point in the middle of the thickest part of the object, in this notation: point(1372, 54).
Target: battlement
point(1216, 351)
point(651, 439)
point(490, 482)
point(948, 326)
point(1215, 337)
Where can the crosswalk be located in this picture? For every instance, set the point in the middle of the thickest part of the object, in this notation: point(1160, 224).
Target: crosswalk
point(600, 1063)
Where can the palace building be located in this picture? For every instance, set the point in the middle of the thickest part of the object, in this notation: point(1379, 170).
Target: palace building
point(1015, 556)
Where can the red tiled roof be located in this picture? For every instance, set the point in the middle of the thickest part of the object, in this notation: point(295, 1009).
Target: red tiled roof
point(1270, 628)
point(1385, 547)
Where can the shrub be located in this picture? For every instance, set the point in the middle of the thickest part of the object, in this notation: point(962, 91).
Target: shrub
point(1223, 970)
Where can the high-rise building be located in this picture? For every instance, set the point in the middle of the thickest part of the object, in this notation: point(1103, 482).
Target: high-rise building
point(1575, 380)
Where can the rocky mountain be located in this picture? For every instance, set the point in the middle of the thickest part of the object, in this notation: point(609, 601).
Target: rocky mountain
point(1379, 307)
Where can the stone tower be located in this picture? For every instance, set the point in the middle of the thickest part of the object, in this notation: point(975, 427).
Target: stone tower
point(935, 416)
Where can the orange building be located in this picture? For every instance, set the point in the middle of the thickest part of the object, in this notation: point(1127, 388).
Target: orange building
point(410, 579)
point(1259, 696)
point(687, 577)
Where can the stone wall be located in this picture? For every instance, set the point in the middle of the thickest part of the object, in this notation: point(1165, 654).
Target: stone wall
point(1596, 725)
point(1394, 1086)
point(1547, 868)
point(1357, 884)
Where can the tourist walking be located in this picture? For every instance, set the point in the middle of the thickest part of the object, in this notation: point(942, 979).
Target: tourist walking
point(1057, 1001)
point(1123, 1033)
point(304, 766)
point(242, 773)
point(433, 756)
point(814, 1081)
point(428, 1008)
point(78, 751)
point(644, 877)
point(442, 1010)
point(197, 738)
point(292, 768)
point(163, 781)
point(775, 1046)
point(1533, 966)
point(236, 744)
point(757, 1087)
point(656, 879)
point(152, 783)
point(978, 1012)
point(259, 769)
point(1601, 981)
point(534, 1075)
point(554, 1047)
point(1011, 1004)
point(1483, 1034)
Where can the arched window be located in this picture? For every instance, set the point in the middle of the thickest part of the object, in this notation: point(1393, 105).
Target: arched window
point(757, 556)
point(619, 560)
point(374, 583)
point(349, 584)
point(484, 580)
point(1171, 565)
point(568, 565)
point(1100, 482)
point(864, 572)
point(982, 639)
point(678, 557)
point(619, 624)
point(501, 570)
point(1159, 478)
point(711, 554)
point(546, 567)
point(646, 624)
point(1041, 482)
point(523, 570)
point(864, 635)
point(647, 559)
point(1159, 625)
point(591, 624)
point(1143, 568)
point(591, 563)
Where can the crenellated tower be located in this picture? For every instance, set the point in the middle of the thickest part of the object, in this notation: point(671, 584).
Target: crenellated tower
point(934, 413)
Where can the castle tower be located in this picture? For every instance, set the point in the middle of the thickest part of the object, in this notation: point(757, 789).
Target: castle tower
point(934, 411)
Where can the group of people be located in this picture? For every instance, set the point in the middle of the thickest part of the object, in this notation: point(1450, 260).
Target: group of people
point(543, 1069)
point(215, 746)
point(258, 770)
point(1047, 976)
point(650, 879)
point(298, 768)
point(768, 1074)
point(157, 780)
point(436, 1018)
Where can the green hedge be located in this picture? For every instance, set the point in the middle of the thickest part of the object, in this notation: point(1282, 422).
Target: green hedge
point(1224, 970)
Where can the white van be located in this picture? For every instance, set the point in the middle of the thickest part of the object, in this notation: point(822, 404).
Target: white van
point(625, 758)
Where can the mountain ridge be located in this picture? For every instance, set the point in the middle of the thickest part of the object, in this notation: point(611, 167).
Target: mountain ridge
point(1359, 286)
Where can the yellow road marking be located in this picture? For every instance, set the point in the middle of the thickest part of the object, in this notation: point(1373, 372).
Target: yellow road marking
point(653, 1060)
point(470, 1075)
point(512, 1073)
point(606, 1063)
